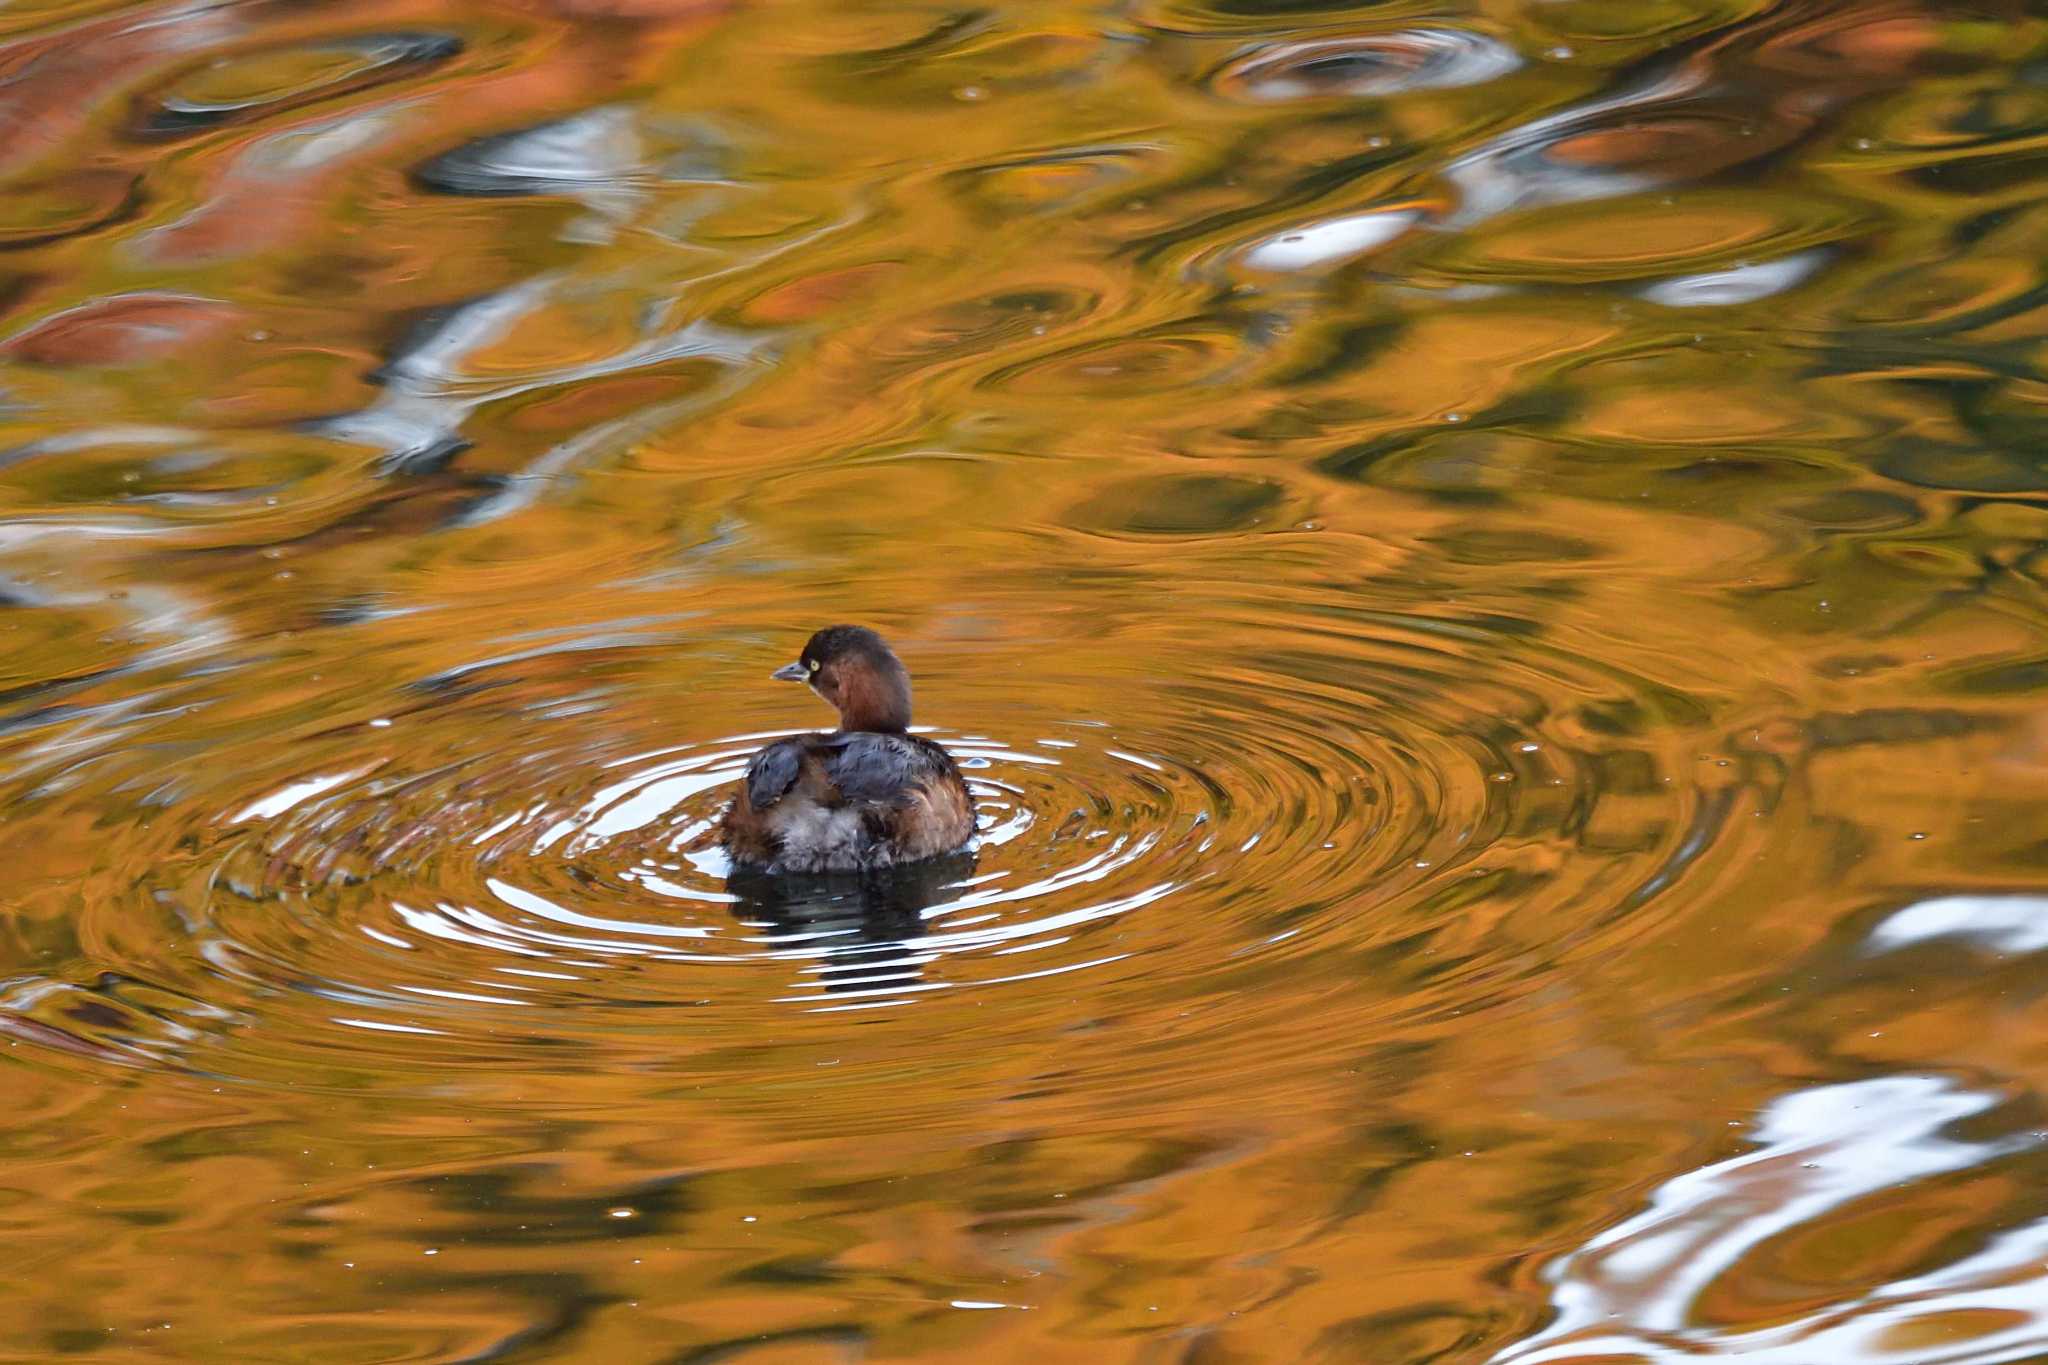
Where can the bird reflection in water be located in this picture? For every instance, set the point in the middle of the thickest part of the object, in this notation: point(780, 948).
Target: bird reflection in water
point(861, 927)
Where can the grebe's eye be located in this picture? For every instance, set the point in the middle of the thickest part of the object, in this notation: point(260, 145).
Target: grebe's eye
point(812, 665)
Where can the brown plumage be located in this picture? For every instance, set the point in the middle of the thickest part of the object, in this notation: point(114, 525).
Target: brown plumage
point(867, 795)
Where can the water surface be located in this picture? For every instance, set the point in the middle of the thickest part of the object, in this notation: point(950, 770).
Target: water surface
point(1485, 564)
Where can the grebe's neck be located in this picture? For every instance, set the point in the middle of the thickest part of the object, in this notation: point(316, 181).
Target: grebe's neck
point(874, 695)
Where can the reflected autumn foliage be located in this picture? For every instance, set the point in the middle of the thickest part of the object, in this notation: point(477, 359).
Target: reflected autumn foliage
point(1483, 566)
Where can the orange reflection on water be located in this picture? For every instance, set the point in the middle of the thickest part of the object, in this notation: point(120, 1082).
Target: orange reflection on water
point(1483, 566)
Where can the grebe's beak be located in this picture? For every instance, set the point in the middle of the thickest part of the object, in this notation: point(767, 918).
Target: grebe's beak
point(791, 673)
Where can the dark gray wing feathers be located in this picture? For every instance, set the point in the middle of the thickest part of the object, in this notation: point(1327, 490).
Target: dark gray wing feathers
point(869, 767)
point(773, 772)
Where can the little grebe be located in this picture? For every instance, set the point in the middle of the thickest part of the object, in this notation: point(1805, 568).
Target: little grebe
point(867, 795)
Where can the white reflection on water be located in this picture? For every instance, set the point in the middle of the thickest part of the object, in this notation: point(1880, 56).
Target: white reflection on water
point(430, 387)
point(1736, 284)
point(1631, 1291)
point(1332, 240)
point(1514, 170)
point(2002, 924)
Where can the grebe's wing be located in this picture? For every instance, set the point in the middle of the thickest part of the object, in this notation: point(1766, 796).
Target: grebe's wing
point(773, 771)
point(882, 769)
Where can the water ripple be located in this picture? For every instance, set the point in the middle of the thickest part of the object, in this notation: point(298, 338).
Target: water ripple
point(1366, 64)
point(499, 877)
point(1486, 569)
point(1649, 1287)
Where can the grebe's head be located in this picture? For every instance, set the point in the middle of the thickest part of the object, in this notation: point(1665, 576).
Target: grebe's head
point(855, 671)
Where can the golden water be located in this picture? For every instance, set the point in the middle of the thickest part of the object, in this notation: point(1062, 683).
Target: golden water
point(1486, 564)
